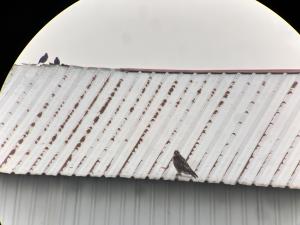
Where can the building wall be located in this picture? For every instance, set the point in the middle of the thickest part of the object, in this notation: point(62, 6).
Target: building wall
point(43, 200)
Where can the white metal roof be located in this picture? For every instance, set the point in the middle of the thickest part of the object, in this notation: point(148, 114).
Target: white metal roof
point(232, 127)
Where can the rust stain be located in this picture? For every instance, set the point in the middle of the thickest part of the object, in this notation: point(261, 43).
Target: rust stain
point(213, 92)
point(86, 112)
point(53, 139)
point(294, 84)
point(89, 130)
point(93, 167)
point(226, 94)
point(39, 114)
point(69, 116)
point(66, 163)
point(82, 139)
point(149, 125)
point(46, 105)
point(96, 119)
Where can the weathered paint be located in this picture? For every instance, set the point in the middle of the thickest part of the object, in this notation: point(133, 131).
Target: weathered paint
point(232, 127)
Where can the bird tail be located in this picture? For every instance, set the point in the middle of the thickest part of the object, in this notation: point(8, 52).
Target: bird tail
point(194, 174)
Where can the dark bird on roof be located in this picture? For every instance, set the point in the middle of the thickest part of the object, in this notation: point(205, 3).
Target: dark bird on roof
point(44, 58)
point(56, 61)
point(181, 165)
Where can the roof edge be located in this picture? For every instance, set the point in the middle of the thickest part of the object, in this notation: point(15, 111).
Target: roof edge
point(213, 71)
point(187, 71)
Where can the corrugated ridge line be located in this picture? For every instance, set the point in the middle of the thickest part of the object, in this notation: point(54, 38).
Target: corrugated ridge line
point(269, 112)
point(221, 127)
point(46, 136)
point(70, 141)
point(62, 123)
point(118, 161)
point(234, 141)
point(243, 101)
point(112, 98)
point(130, 108)
point(202, 125)
point(255, 131)
point(31, 80)
point(12, 80)
point(212, 129)
point(268, 141)
point(289, 132)
point(286, 170)
point(105, 141)
point(204, 93)
point(92, 129)
point(107, 135)
point(185, 101)
point(32, 109)
point(119, 152)
point(103, 98)
point(191, 107)
point(14, 101)
point(158, 128)
point(39, 134)
point(41, 109)
point(14, 85)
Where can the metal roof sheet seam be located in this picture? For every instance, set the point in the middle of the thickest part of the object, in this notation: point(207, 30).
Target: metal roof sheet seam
point(232, 126)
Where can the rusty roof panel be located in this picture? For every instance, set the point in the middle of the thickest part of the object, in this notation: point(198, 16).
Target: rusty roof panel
point(231, 127)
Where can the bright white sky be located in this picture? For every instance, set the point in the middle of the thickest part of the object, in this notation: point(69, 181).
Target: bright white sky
point(168, 34)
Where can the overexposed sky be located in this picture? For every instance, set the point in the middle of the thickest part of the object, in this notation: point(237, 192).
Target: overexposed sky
point(168, 34)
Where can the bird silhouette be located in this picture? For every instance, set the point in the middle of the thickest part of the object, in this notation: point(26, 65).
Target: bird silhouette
point(44, 58)
point(56, 61)
point(181, 165)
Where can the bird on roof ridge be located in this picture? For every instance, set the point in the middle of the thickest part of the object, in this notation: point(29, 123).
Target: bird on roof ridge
point(44, 58)
point(181, 165)
point(56, 61)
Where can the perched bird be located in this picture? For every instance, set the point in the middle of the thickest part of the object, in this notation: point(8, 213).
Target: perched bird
point(181, 165)
point(56, 61)
point(44, 58)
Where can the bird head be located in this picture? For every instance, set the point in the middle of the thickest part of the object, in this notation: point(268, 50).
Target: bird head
point(176, 152)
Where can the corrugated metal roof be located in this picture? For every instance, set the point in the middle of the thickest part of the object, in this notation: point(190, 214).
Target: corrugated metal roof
point(46, 200)
point(232, 127)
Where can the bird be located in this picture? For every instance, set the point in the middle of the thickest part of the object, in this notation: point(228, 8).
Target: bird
point(181, 165)
point(56, 61)
point(44, 58)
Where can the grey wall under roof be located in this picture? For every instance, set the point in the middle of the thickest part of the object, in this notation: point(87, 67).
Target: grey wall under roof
point(43, 200)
